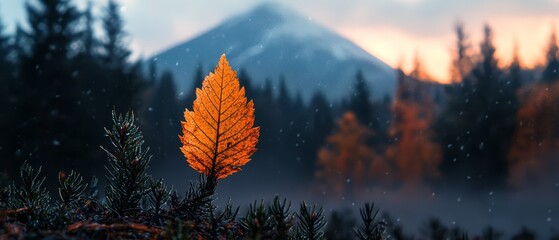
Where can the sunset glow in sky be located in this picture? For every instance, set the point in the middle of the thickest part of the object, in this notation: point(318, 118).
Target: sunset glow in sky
point(392, 30)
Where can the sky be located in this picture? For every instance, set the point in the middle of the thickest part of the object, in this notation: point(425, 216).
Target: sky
point(393, 30)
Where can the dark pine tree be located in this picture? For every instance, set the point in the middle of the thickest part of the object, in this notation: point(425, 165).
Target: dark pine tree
point(514, 79)
point(462, 55)
point(88, 41)
point(164, 120)
point(244, 79)
point(285, 119)
point(195, 83)
point(6, 83)
point(152, 73)
point(371, 114)
point(48, 91)
point(126, 80)
point(115, 53)
point(284, 96)
point(359, 101)
point(496, 112)
point(551, 71)
point(479, 122)
point(320, 125)
point(381, 122)
point(264, 99)
point(453, 120)
point(6, 65)
point(92, 81)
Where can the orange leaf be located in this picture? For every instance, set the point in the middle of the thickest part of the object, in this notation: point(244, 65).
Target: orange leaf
point(219, 134)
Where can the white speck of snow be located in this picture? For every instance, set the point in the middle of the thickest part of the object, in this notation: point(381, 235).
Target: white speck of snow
point(55, 142)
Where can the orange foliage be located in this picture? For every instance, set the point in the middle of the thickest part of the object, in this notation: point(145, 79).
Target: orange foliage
point(219, 134)
point(414, 153)
point(533, 152)
point(345, 158)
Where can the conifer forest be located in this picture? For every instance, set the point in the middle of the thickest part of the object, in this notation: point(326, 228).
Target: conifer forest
point(98, 141)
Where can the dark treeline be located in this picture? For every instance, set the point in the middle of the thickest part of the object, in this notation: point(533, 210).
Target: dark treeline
point(483, 121)
point(59, 80)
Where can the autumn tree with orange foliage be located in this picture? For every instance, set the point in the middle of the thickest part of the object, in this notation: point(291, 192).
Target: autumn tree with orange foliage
point(532, 157)
point(533, 154)
point(219, 134)
point(346, 158)
point(414, 154)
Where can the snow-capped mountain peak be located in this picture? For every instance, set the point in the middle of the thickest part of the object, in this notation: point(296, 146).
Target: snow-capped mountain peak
point(272, 40)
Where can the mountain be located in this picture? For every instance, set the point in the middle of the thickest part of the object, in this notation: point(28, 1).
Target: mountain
point(273, 41)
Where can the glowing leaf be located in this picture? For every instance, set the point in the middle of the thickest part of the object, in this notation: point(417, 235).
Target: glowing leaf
point(219, 134)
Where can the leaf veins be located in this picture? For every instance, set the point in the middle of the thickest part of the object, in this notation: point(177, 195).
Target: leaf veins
point(219, 134)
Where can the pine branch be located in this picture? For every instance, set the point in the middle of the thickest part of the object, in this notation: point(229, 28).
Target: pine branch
point(196, 205)
point(127, 167)
point(71, 190)
point(222, 225)
point(157, 196)
point(311, 222)
point(281, 218)
point(28, 202)
point(370, 230)
point(31, 193)
point(257, 222)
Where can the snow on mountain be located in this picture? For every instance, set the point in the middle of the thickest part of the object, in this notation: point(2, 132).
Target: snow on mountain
point(273, 40)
